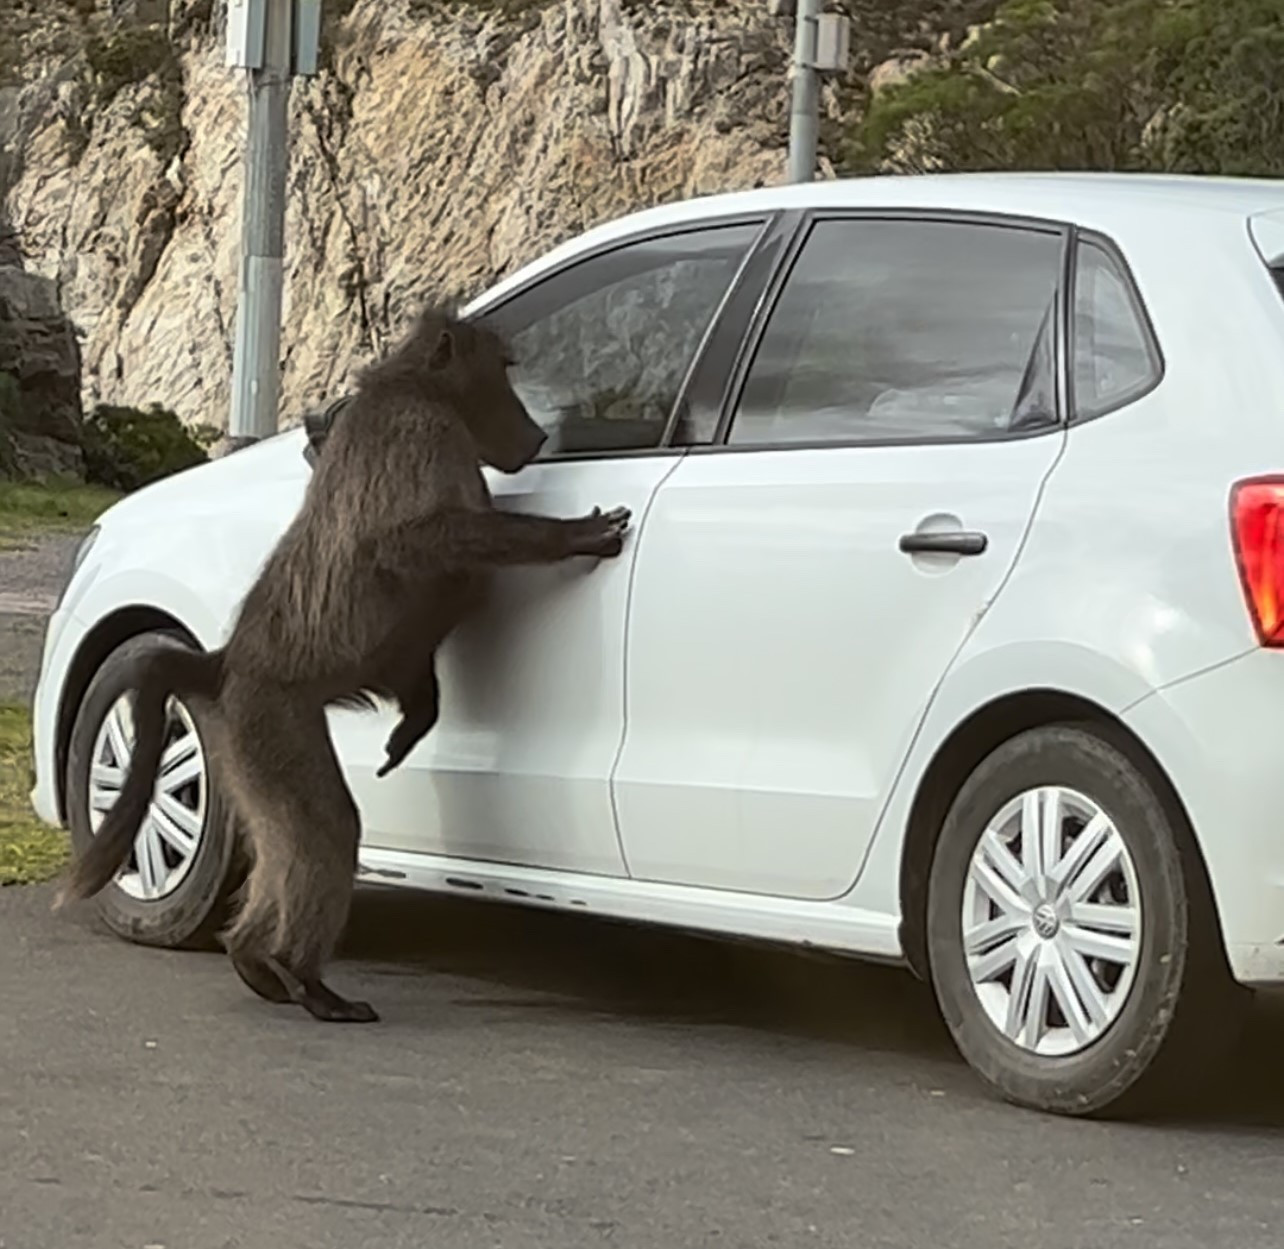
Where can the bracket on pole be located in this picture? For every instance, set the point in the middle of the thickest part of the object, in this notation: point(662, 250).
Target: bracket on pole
point(833, 43)
point(247, 34)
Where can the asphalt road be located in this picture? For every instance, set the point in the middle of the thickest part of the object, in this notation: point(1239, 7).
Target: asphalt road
point(540, 1080)
point(30, 576)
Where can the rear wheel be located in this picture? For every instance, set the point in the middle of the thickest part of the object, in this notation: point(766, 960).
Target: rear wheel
point(1071, 937)
point(174, 890)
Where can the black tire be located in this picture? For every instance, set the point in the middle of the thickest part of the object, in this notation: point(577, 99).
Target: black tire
point(1179, 1015)
point(191, 916)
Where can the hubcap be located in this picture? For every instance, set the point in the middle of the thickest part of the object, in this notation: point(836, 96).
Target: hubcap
point(170, 834)
point(1051, 921)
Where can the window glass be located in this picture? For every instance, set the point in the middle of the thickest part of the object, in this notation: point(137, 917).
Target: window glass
point(907, 330)
point(602, 349)
point(1112, 357)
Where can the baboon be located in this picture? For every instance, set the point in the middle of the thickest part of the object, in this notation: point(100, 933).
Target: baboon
point(396, 531)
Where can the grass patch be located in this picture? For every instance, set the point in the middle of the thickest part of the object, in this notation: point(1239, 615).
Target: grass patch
point(59, 507)
point(30, 850)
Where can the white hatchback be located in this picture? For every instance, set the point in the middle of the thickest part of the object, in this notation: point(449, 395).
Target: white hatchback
point(945, 634)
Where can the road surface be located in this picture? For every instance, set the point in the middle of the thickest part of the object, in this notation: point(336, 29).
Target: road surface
point(561, 1082)
point(31, 574)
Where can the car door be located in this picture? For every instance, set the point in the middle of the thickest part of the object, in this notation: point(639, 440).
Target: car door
point(517, 769)
point(802, 585)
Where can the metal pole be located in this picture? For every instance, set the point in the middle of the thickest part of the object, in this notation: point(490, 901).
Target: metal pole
point(804, 115)
point(256, 382)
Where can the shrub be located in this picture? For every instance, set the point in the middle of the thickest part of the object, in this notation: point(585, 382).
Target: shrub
point(126, 448)
point(129, 55)
point(9, 397)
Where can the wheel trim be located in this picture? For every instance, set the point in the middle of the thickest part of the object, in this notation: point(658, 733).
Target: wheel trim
point(170, 835)
point(1052, 921)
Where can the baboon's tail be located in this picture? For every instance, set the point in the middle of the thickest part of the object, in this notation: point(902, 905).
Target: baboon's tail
point(174, 670)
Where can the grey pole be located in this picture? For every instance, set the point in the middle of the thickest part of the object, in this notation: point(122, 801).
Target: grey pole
point(256, 383)
point(804, 117)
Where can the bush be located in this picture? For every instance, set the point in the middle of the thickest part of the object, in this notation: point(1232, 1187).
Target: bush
point(9, 395)
point(1182, 86)
point(126, 448)
point(129, 55)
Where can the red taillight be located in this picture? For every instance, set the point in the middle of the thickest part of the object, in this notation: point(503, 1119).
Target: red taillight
point(1257, 526)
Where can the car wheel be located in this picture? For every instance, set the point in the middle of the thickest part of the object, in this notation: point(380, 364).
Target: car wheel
point(175, 888)
point(1071, 939)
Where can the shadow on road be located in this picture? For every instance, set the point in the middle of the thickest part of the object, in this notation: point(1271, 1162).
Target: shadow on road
point(548, 962)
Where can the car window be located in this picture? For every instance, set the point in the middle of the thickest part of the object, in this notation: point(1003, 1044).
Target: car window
point(907, 330)
point(602, 348)
point(1113, 361)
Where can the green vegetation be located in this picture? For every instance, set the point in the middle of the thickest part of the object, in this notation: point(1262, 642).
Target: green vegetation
point(30, 851)
point(1183, 86)
point(52, 507)
point(133, 55)
point(126, 448)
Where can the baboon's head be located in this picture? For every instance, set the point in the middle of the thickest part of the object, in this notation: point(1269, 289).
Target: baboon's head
point(471, 363)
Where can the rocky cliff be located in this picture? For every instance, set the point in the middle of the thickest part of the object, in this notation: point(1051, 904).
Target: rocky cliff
point(444, 143)
point(442, 146)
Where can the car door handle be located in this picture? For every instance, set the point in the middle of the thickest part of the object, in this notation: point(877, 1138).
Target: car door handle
point(954, 542)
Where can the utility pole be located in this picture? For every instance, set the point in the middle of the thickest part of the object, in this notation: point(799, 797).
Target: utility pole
point(822, 43)
point(804, 113)
point(273, 40)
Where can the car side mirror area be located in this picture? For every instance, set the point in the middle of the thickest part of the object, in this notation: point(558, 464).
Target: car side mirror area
point(317, 427)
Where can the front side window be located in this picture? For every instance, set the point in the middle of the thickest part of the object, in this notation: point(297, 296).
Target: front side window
point(890, 331)
point(603, 347)
point(1113, 361)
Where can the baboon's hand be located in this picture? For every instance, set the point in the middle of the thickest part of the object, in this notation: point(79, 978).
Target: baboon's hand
point(602, 533)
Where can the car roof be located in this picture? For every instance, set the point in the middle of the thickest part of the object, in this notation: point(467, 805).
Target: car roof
point(1095, 200)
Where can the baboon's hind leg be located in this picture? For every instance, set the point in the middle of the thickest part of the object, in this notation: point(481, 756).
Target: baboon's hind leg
point(305, 829)
point(250, 936)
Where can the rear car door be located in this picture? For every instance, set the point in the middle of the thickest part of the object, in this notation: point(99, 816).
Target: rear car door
point(803, 582)
point(517, 769)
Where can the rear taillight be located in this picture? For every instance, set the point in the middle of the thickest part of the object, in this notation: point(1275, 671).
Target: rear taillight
point(1257, 528)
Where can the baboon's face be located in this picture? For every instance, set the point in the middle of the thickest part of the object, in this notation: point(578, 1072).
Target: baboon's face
point(507, 437)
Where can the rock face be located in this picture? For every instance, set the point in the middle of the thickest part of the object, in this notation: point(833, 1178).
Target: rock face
point(442, 146)
point(40, 412)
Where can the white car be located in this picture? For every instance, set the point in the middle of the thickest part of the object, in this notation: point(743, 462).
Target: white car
point(946, 633)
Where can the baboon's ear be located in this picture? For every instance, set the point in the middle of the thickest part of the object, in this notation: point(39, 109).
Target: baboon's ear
point(444, 352)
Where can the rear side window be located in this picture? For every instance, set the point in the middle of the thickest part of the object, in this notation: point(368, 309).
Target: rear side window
point(907, 331)
point(1114, 358)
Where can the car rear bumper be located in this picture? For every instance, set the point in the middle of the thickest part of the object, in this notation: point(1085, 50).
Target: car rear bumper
point(63, 637)
point(1217, 736)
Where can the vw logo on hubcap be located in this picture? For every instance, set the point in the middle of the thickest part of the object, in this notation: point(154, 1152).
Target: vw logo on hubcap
point(1045, 921)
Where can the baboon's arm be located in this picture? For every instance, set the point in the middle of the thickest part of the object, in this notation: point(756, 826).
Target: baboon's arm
point(463, 537)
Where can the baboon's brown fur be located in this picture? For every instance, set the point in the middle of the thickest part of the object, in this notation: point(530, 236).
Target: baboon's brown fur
point(396, 529)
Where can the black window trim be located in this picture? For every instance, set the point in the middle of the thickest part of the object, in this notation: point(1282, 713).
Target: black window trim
point(1158, 363)
point(764, 219)
point(809, 219)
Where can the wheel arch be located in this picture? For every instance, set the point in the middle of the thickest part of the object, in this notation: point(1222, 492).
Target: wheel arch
point(110, 632)
point(975, 737)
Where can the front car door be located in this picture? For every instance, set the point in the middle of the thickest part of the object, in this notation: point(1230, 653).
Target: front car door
point(517, 769)
point(803, 583)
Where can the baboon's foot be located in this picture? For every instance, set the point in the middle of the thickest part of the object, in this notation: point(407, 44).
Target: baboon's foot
point(322, 1002)
point(261, 978)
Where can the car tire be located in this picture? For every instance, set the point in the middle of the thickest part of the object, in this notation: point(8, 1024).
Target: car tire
point(1126, 1042)
point(189, 914)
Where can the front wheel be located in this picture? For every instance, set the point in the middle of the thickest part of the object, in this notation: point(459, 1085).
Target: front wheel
point(1072, 943)
point(174, 889)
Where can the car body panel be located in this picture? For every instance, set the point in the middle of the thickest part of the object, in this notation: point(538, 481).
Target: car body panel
point(782, 648)
point(518, 768)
